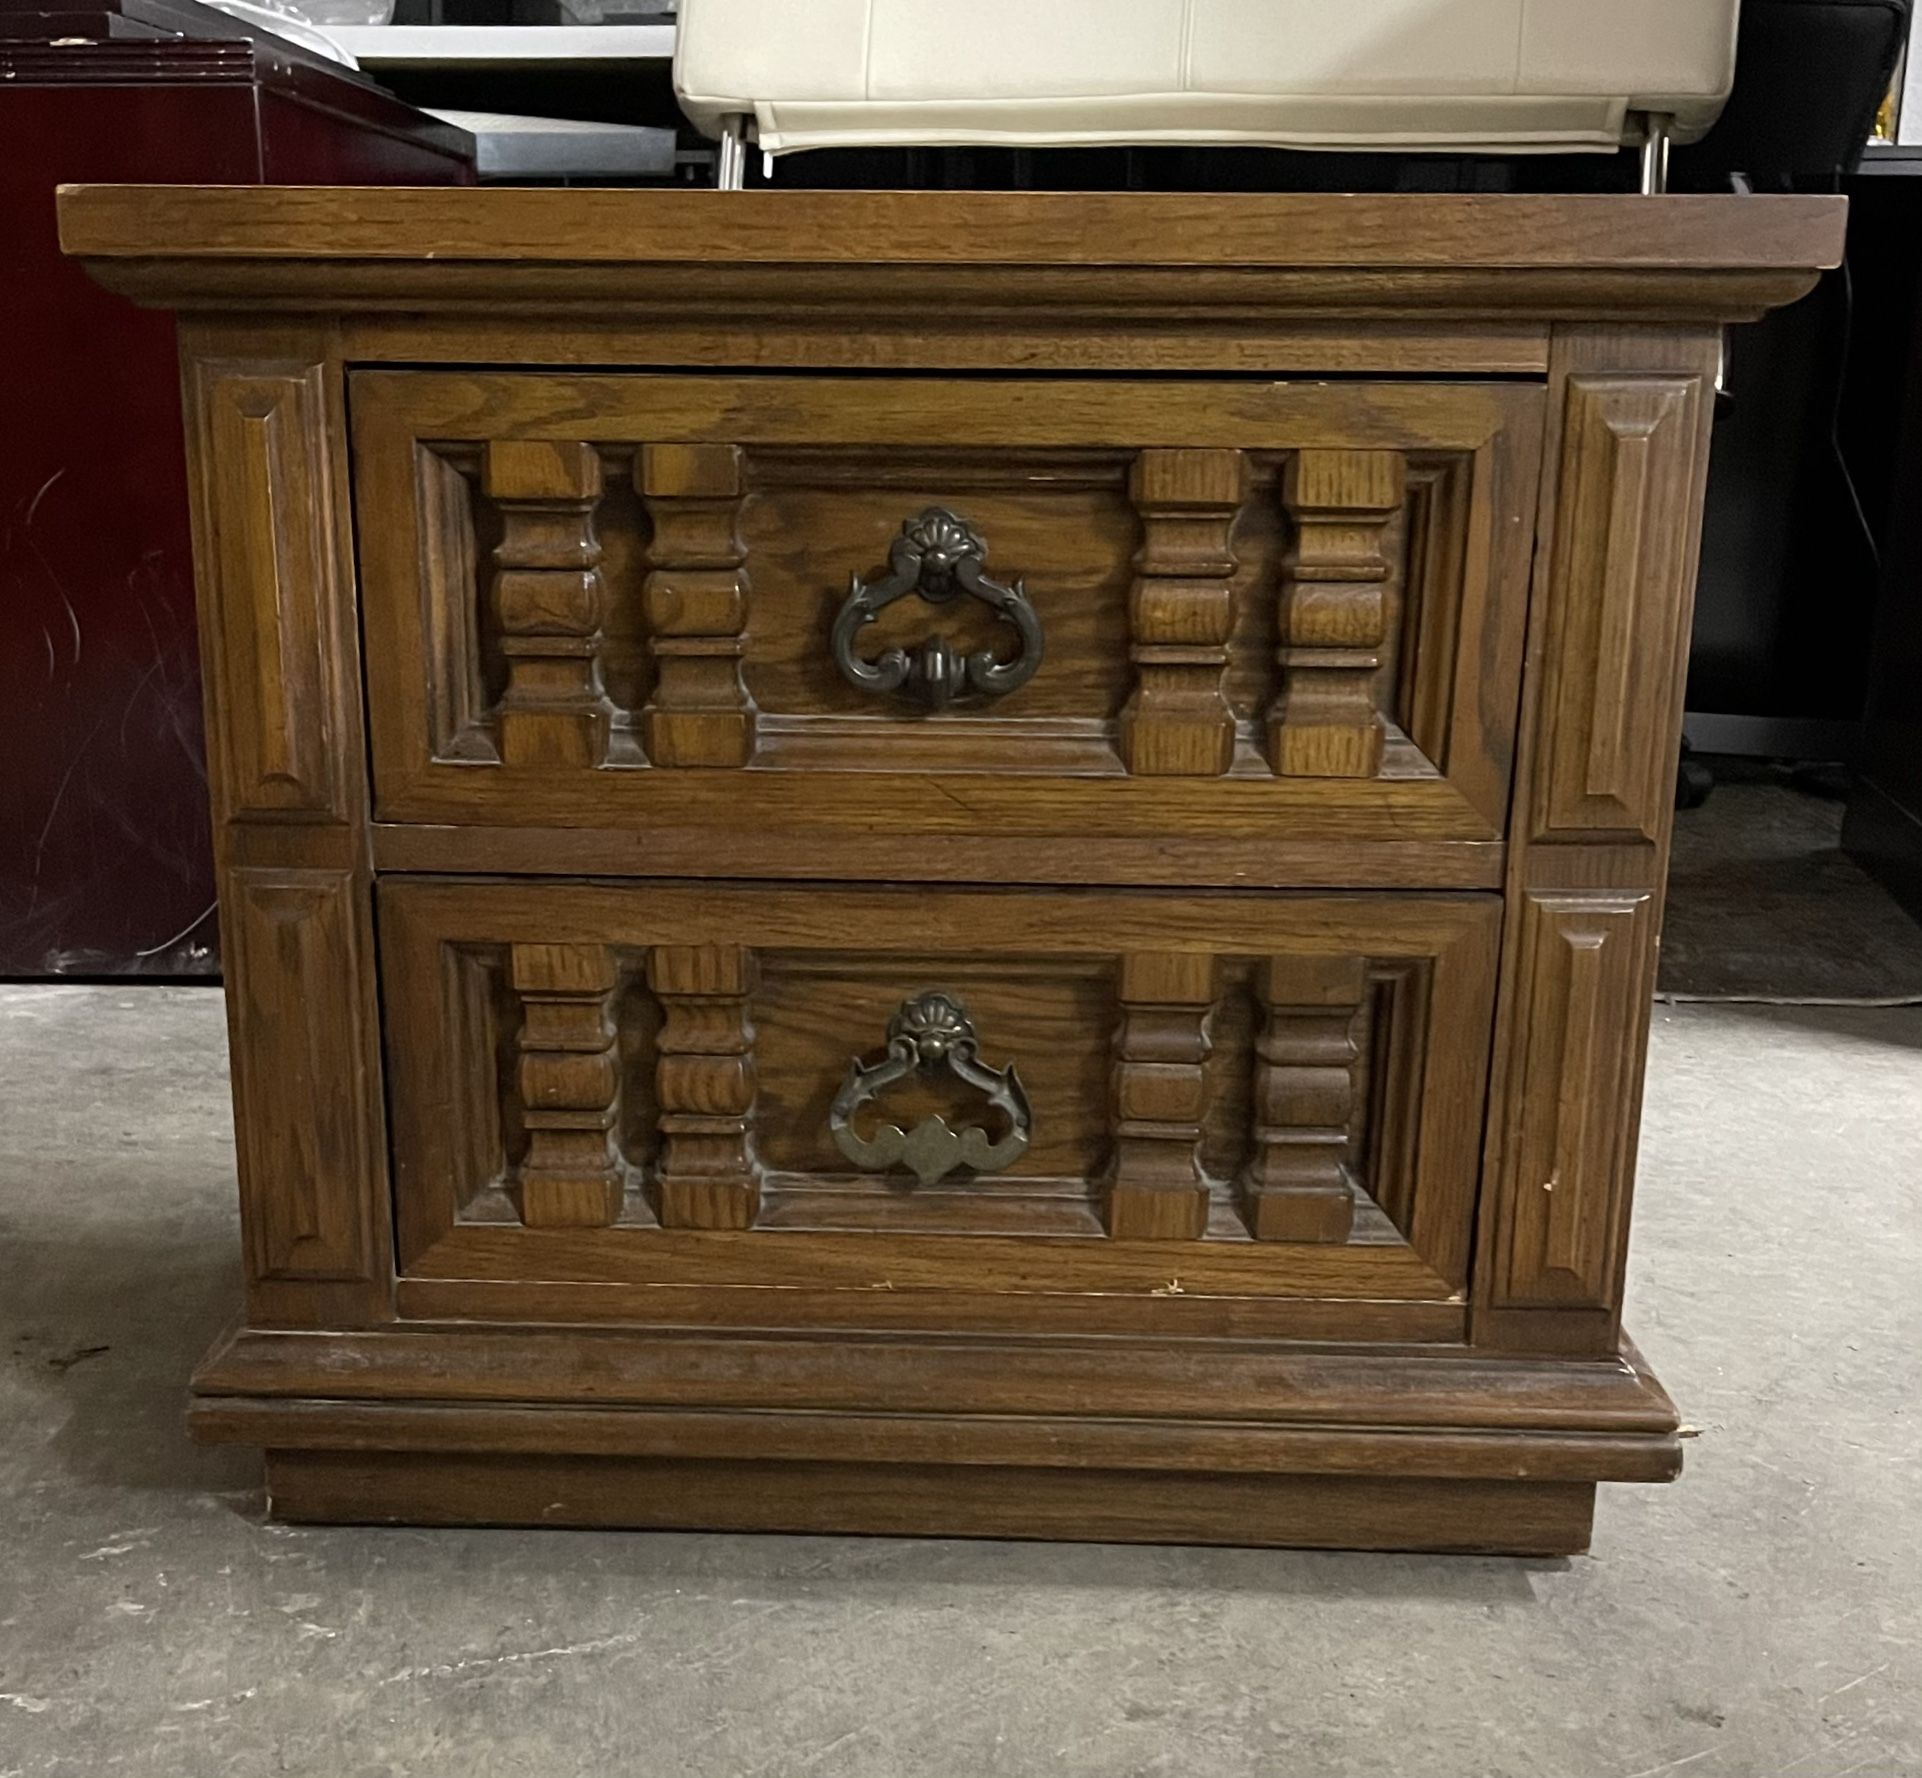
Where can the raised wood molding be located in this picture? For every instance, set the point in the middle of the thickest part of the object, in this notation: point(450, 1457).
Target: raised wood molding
point(1298, 1186)
point(1326, 721)
point(309, 1143)
point(1266, 1382)
point(1619, 590)
point(570, 1085)
point(696, 604)
point(1561, 1195)
point(708, 1178)
point(267, 576)
point(974, 1443)
point(548, 599)
point(1158, 1192)
point(1178, 722)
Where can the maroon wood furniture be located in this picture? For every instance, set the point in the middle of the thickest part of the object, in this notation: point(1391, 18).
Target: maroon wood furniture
point(106, 863)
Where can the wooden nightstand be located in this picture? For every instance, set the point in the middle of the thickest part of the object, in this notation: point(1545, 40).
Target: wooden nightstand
point(954, 863)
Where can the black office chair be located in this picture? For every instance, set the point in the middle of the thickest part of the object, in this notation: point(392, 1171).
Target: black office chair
point(1809, 78)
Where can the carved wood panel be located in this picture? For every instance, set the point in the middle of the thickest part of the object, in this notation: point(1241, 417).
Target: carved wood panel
point(1618, 593)
point(1567, 1154)
point(569, 1085)
point(548, 600)
point(308, 1141)
point(1326, 719)
point(266, 572)
point(1159, 1192)
point(1179, 722)
point(1194, 1075)
point(708, 1178)
point(695, 601)
point(1301, 1185)
point(1302, 601)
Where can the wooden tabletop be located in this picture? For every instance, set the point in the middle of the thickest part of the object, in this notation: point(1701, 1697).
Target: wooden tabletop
point(925, 227)
point(1093, 258)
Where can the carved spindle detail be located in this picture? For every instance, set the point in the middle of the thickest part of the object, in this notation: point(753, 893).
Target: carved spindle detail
point(696, 604)
point(709, 1178)
point(1324, 722)
point(1159, 1192)
point(1178, 722)
point(570, 1085)
point(1298, 1186)
point(549, 599)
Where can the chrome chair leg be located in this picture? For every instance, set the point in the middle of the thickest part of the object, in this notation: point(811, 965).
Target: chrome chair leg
point(1657, 128)
point(730, 165)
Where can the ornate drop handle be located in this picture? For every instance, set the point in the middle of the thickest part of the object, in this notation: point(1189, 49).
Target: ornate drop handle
point(937, 557)
point(931, 1032)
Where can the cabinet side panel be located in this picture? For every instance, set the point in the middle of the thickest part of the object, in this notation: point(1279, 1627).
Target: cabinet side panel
point(267, 576)
point(1625, 460)
point(1623, 565)
point(306, 1145)
point(279, 630)
point(1565, 1179)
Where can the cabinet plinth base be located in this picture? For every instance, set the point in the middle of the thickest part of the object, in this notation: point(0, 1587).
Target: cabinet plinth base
point(1257, 1443)
point(927, 1500)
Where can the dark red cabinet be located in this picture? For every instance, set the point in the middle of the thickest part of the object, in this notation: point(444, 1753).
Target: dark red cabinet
point(105, 855)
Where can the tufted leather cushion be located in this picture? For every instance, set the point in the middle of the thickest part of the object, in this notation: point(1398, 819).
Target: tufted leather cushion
point(1499, 75)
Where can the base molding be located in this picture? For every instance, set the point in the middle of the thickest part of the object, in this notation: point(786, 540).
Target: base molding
point(1262, 1443)
point(916, 1500)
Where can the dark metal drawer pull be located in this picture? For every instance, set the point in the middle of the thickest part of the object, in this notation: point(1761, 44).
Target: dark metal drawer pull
point(929, 1033)
point(937, 557)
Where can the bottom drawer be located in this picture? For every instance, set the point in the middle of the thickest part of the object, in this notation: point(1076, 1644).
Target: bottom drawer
point(984, 1110)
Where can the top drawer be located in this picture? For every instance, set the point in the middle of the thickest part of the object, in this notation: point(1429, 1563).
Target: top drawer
point(945, 627)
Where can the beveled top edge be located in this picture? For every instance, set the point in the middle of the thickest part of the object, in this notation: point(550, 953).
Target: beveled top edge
point(506, 225)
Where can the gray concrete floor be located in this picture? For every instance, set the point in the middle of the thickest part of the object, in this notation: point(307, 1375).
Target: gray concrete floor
point(1763, 1617)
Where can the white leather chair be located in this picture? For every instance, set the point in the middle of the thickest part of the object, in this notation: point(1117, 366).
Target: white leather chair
point(1459, 76)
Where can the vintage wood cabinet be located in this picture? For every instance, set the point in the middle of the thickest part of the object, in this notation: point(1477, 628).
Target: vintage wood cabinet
point(925, 862)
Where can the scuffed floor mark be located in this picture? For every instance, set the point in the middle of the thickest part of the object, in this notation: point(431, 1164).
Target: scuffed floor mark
point(194, 1706)
point(32, 1706)
point(1674, 1765)
point(1853, 1683)
point(481, 1663)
